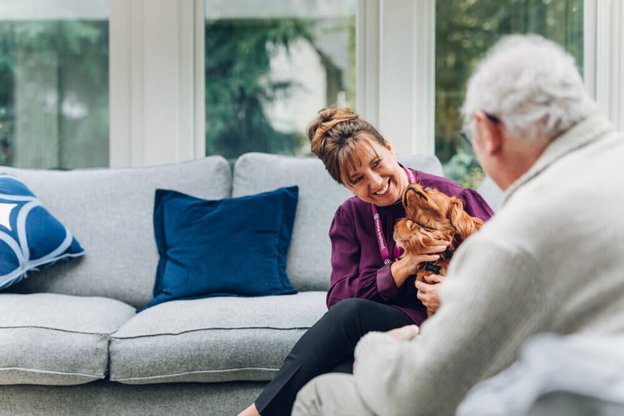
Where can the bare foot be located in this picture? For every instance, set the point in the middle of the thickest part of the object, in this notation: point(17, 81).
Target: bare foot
point(250, 411)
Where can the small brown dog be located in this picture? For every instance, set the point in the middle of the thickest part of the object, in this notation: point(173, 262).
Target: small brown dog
point(431, 217)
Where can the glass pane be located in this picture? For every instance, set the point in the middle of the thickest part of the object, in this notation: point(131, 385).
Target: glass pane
point(54, 83)
point(465, 29)
point(270, 66)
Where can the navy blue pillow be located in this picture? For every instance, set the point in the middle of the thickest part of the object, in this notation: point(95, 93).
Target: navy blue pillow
point(228, 247)
point(30, 237)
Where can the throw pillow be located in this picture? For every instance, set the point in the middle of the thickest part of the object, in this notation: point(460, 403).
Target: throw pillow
point(30, 237)
point(228, 247)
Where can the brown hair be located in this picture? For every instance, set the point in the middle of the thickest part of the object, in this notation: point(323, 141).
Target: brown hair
point(333, 135)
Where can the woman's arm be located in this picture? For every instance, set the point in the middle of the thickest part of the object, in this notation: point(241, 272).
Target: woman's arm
point(475, 204)
point(347, 280)
point(377, 282)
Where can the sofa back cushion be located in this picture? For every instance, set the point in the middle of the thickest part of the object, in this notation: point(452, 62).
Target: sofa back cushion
point(308, 262)
point(110, 212)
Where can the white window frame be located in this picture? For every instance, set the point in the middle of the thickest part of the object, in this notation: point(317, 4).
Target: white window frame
point(156, 81)
point(395, 66)
point(604, 56)
point(157, 74)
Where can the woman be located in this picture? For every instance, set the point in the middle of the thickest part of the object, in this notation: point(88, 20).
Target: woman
point(372, 288)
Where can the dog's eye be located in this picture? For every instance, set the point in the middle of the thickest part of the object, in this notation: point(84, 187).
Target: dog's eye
point(429, 189)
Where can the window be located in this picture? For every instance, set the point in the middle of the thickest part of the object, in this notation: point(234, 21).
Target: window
point(465, 29)
point(270, 66)
point(54, 84)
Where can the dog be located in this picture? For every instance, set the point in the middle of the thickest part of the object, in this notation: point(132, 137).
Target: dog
point(430, 217)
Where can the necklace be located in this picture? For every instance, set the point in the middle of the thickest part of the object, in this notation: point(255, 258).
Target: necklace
point(381, 240)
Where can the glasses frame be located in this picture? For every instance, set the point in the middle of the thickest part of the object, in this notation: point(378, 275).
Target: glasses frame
point(465, 134)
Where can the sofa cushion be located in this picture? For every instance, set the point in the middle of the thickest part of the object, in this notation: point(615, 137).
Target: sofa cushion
point(225, 247)
point(30, 237)
point(212, 339)
point(56, 339)
point(110, 213)
point(308, 263)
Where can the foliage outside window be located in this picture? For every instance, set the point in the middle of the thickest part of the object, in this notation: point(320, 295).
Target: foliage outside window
point(465, 29)
point(268, 73)
point(54, 92)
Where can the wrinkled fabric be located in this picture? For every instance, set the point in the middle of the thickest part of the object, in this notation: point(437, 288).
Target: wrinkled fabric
point(586, 365)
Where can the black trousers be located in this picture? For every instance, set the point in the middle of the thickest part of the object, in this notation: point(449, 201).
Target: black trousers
point(326, 347)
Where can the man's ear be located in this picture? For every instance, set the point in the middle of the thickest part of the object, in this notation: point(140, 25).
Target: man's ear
point(490, 133)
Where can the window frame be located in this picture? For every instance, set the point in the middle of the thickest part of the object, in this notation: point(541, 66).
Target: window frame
point(157, 83)
point(604, 44)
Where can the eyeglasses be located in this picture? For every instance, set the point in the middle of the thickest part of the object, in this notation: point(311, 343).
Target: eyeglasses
point(466, 139)
point(465, 133)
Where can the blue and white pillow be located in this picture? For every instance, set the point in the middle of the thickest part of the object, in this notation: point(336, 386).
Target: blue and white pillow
point(30, 237)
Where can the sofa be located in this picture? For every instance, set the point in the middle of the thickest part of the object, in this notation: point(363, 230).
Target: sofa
point(71, 341)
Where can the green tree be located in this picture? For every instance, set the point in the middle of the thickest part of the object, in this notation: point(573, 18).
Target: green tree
point(69, 57)
point(465, 29)
point(238, 57)
point(238, 86)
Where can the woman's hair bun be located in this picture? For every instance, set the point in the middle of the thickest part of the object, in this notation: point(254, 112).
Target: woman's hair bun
point(326, 119)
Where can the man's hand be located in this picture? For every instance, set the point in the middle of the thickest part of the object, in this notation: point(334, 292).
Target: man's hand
point(433, 279)
point(404, 333)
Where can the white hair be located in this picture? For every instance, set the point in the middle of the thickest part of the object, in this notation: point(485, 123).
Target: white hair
point(532, 85)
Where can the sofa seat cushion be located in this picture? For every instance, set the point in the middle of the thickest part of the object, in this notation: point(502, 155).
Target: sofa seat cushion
point(212, 339)
point(52, 339)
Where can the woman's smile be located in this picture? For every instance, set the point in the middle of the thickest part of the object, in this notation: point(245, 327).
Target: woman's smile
point(384, 191)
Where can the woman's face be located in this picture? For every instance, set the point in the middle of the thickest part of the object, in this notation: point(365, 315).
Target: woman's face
point(375, 176)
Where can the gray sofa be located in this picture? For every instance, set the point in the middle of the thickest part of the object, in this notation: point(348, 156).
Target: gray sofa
point(71, 342)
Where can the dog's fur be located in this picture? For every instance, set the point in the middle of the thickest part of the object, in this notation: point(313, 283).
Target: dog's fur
point(432, 216)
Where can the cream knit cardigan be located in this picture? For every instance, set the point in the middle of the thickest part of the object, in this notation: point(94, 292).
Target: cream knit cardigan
point(551, 260)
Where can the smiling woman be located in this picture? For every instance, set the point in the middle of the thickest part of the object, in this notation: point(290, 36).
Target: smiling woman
point(357, 156)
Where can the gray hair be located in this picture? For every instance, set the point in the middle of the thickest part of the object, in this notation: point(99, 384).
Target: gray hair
point(532, 85)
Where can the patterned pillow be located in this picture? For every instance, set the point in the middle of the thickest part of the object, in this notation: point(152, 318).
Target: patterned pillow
point(30, 237)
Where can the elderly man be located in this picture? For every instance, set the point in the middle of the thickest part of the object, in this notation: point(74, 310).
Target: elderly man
point(549, 261)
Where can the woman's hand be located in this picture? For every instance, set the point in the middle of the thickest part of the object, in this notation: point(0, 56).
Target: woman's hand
point(408, 263)
point(428, 292)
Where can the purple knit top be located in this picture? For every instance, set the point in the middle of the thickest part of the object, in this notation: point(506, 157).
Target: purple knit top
point(357, 267)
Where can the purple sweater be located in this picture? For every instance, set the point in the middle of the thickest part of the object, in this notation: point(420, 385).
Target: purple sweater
point(357, 268)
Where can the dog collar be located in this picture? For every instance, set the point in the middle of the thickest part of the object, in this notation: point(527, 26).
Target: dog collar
point(432, 267)
point(447, 254)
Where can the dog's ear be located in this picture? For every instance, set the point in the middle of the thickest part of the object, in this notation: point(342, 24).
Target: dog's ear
point(412, 192)
point(410, 202)
point(463, 223)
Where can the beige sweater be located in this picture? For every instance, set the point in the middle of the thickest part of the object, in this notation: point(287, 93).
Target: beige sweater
point(551, 260)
